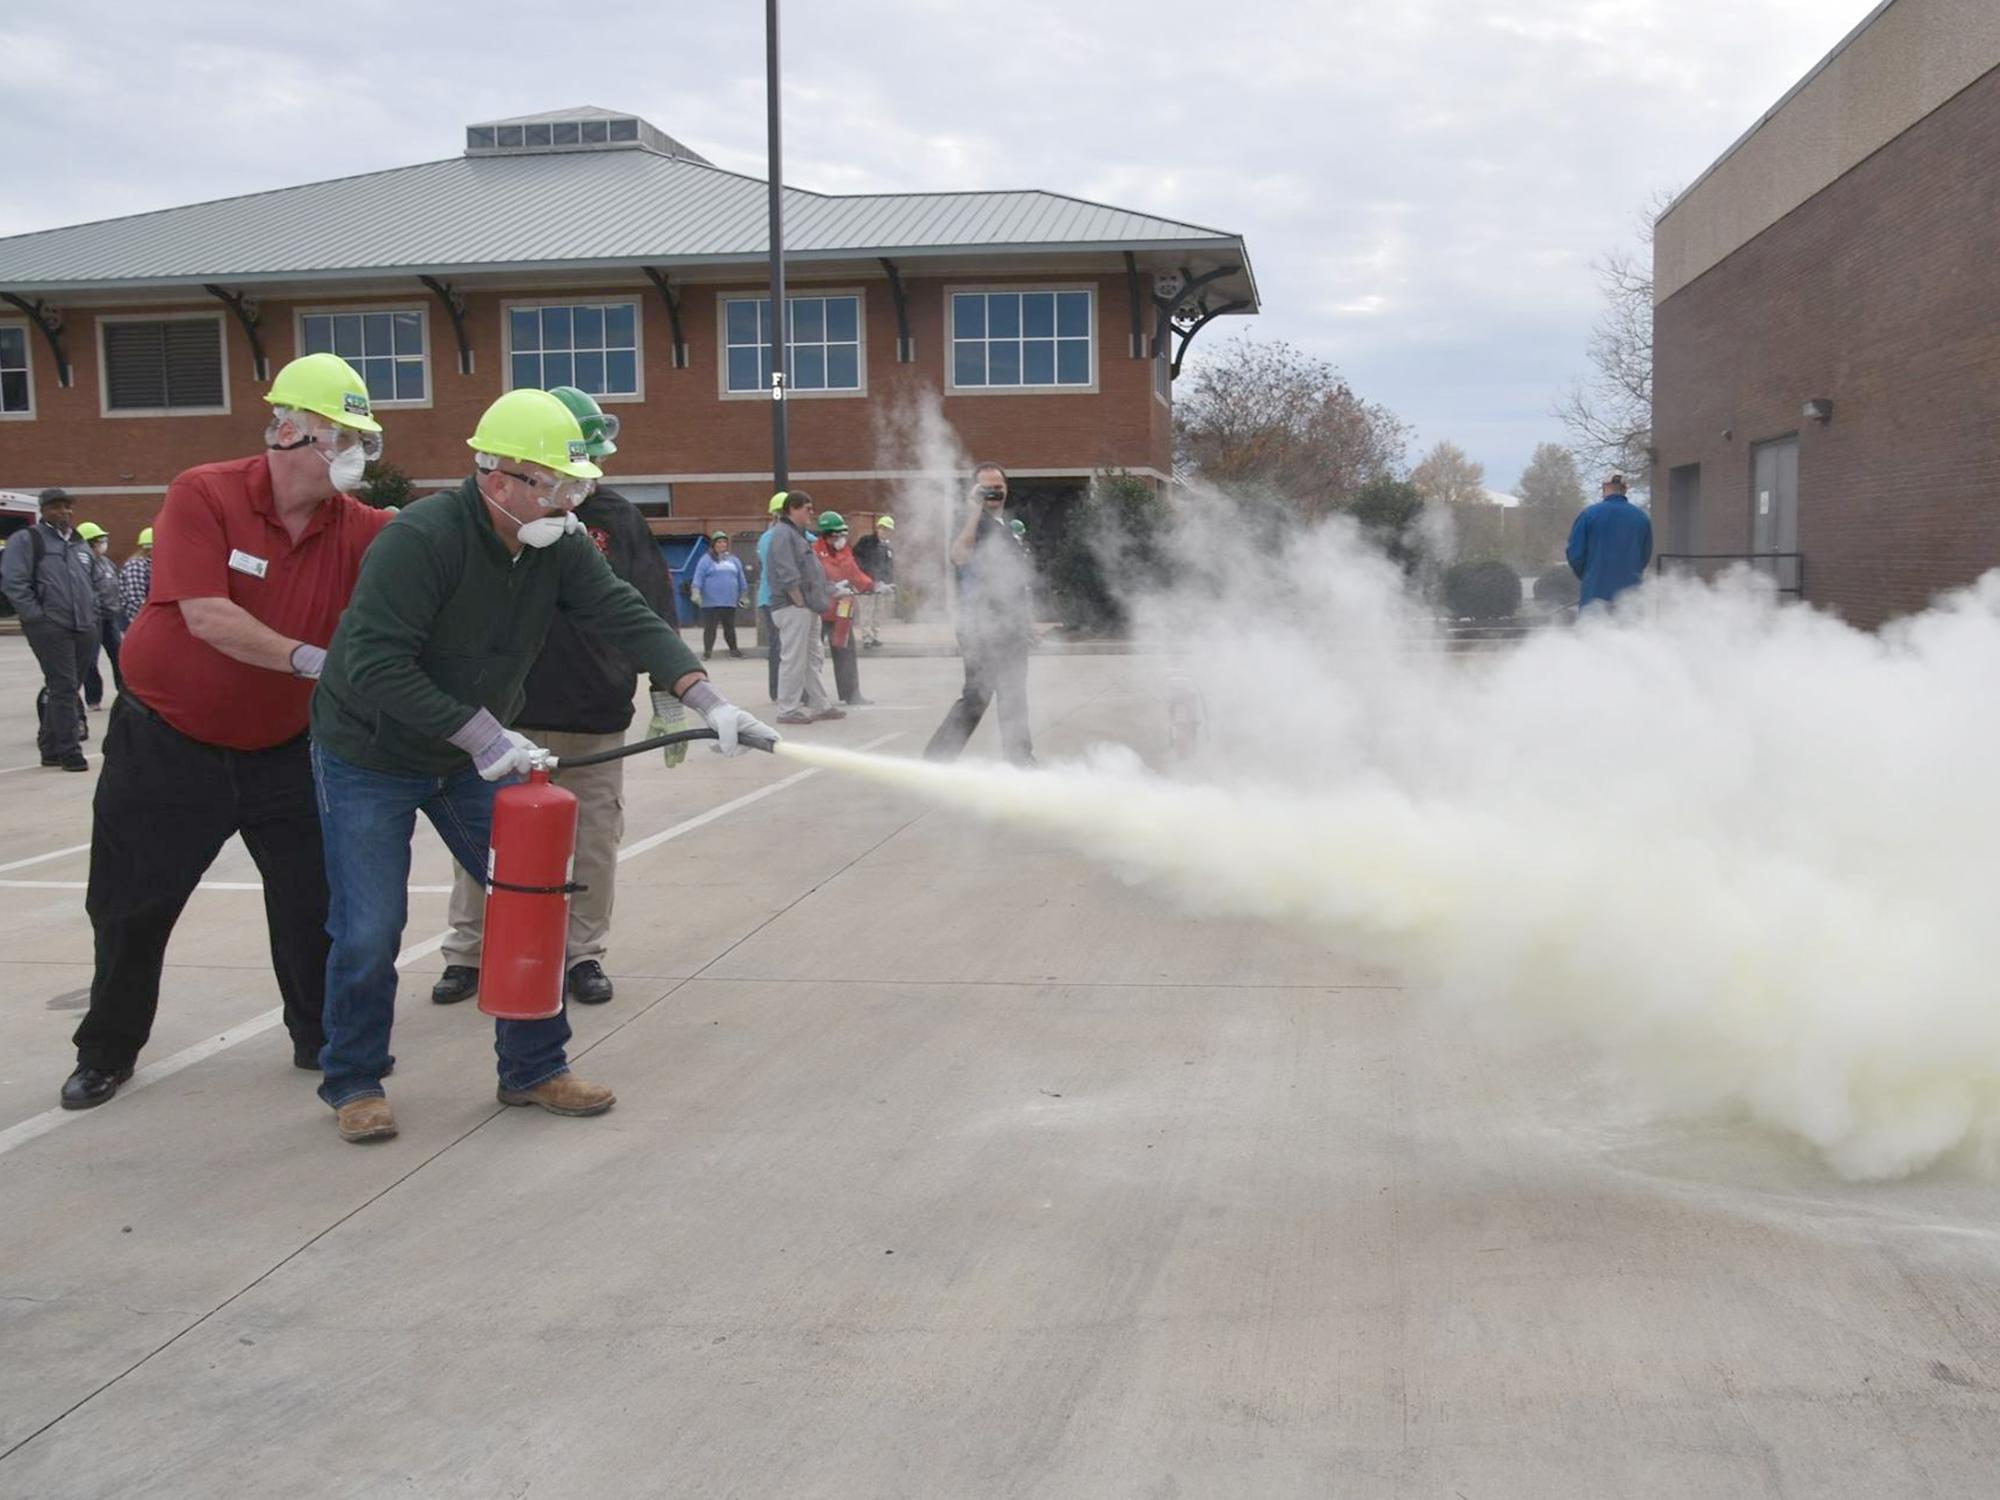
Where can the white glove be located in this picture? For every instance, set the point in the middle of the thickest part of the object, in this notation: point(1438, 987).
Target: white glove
point(308, 661)
point(729, 722)
point(496, 753)
point(842, 589)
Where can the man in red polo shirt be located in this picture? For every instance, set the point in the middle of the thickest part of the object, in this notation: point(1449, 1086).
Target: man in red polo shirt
point(253, 560)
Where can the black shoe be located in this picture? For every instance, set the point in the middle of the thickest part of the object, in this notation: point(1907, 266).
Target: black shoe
point(458, 982)
point(588, 984)
point(74, 761)
point(738, 655)
point(87, 1088)
point(706, 655)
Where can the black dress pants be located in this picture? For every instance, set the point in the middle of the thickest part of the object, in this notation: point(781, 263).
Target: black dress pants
point(165, 806)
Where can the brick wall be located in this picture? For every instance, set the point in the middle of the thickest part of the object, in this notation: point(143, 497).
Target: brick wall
point(1882, 293)
point(682, 427)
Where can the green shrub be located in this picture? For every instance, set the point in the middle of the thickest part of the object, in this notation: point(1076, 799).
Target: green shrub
point(384, 485)
point(1485, 590)
point(1109, 550)
point(1557, 586)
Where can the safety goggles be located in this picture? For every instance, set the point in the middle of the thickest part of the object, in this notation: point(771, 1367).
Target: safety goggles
point(339, 440)
point(556, 492)
point(607, 424)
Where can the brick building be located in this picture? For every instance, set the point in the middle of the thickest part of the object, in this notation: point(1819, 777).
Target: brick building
point(1827, 325)
point(588, 247)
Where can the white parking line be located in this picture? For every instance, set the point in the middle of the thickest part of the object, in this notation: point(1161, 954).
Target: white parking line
point(42, 859)
point(36, 1126)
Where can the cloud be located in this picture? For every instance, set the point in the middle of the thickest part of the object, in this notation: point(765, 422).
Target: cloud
point(1422, 185)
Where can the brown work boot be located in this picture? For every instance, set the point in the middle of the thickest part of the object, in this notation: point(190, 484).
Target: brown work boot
point(366, 1119)
point(564, 1094)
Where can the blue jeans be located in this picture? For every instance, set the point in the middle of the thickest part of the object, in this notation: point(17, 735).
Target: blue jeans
point(366, 820)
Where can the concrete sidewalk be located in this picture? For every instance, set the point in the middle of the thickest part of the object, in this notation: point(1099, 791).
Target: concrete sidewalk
point(944, 1165)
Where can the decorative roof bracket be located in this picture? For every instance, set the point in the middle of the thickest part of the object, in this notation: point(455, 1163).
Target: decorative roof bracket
point(673, 300)
point(454, 308)
point(50, 321)
point(245, 309)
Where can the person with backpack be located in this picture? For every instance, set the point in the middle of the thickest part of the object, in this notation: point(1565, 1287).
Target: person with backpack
point(50, 578)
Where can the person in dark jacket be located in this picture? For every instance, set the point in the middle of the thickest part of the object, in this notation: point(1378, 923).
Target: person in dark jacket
point(1609, 546)
point(427, 670)
point(580, 693)
point(877, 558)
point(996, 629)
point(49, 578)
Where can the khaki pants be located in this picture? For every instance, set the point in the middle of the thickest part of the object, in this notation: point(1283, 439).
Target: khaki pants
point(799, 655)
point(600, 825)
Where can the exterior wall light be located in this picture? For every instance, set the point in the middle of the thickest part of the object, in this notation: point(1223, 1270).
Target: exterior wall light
point(1819, 409)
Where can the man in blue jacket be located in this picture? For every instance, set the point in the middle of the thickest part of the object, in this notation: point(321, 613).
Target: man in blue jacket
point(1609, 546)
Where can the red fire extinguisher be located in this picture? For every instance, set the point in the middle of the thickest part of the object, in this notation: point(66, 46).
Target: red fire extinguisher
point(521, 972)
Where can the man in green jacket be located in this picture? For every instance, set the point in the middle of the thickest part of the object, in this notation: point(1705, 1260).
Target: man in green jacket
point(424, 673)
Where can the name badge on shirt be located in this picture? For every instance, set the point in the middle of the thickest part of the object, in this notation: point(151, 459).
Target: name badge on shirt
point(243, 562)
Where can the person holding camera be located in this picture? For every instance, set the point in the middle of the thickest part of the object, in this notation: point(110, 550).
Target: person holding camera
point(995, 626)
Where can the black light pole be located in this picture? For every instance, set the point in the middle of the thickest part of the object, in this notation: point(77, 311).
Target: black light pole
point(780, 460)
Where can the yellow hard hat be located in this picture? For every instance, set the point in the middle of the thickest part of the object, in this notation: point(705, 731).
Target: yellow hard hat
point(328, 386)
point(146, 537)
point(535, 428)
point(778, 503)
point(885, 523)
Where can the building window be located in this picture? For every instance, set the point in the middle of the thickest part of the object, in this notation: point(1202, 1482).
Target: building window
point(1163, 370)
point(1021, 340)
point(17, 394)
point(163, 365)
point(824, 346)
point(593, 346)
point(386, 347)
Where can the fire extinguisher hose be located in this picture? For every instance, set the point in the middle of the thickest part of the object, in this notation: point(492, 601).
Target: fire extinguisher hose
point(657, 742)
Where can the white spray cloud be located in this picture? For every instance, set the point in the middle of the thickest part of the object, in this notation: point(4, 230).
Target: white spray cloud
point(1744, 850)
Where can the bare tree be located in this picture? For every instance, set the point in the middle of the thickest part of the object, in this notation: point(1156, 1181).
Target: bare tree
point(1448, 476)
point(1262, 418)
point(1609, 413)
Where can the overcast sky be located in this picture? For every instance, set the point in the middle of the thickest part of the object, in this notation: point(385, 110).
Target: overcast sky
point(1422, 183)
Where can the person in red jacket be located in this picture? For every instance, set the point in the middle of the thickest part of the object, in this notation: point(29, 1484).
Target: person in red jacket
point(844, 574)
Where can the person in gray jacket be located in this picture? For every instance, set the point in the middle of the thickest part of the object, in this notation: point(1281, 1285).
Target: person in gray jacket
point(799, 595)
point(49, 577)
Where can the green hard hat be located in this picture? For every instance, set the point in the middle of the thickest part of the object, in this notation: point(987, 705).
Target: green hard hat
point(536, 428)
point(599, 426)
point(831, 521)
point(327, 385)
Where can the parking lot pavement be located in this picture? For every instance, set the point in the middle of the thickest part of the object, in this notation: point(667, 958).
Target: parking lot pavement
point(944, 1165)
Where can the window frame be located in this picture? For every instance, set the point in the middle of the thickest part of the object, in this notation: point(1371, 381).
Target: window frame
point(950, 341)
point(1163, 370)
point(509, 306)
point(195, 315)
point(28, 363)
point(722, 344)
point(423, 312)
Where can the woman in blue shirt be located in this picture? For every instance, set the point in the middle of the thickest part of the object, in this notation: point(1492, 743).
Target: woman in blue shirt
point(719, 587)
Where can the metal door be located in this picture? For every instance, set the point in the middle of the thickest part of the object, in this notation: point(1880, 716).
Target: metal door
point(1774, 509)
